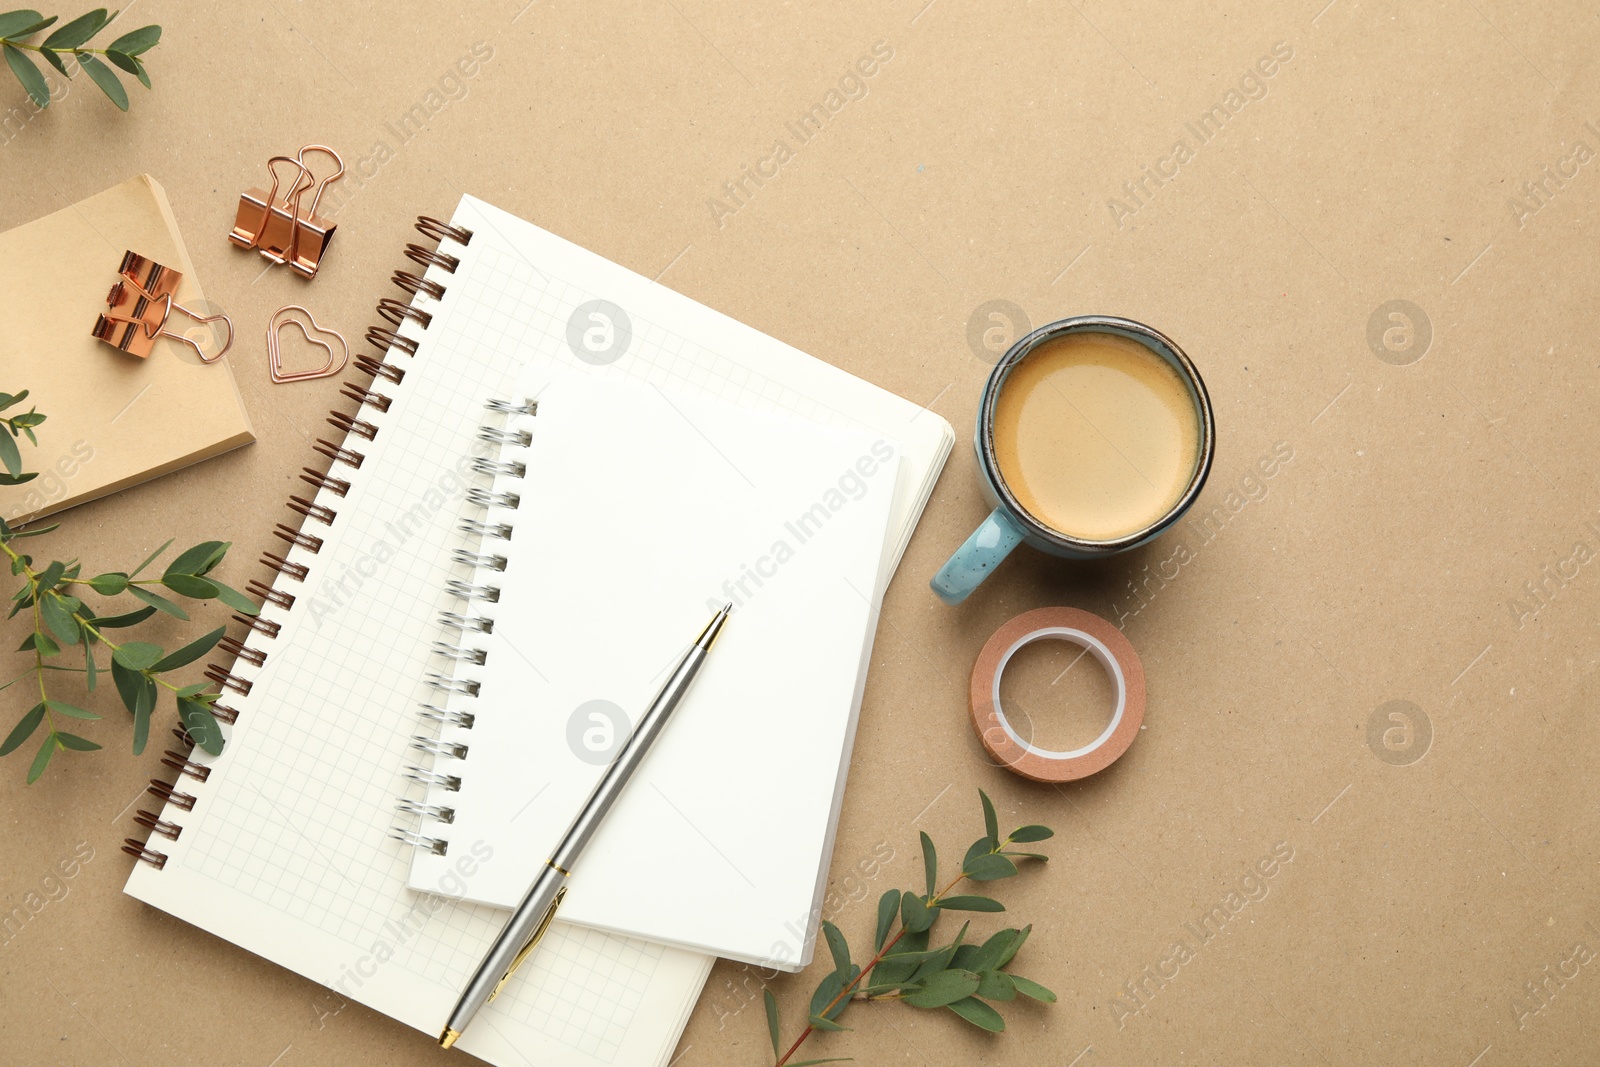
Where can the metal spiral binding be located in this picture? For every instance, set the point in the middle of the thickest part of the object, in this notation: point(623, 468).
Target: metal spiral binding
point(230, 678)
point(462, 626)
point(417, 286)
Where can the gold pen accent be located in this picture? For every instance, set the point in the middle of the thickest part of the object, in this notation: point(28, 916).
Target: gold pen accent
point(448, 1038)
point(533, 942)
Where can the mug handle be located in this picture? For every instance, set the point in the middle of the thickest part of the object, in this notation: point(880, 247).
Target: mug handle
point(978, 556)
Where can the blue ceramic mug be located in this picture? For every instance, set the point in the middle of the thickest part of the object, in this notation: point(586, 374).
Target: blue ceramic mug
point(1011, 524)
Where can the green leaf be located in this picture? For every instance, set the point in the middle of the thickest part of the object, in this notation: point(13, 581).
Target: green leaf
point(201, 724)
point(971, 903)
point(60, 621)
point(114, 622)
point(1029, 988)
point(945, 987)
point(42, 760)
point(981, 847)
point(46, 645)
point(18, 479)
point(888, 908)
point(136, 41)
point(991, 825)
point(772, 1020)
point(17, 25)
point(939, 959)
point(138, 655)
point(190, 586)
point(23, 730)
point(125, 62)
point(193, 690)
point(6, 399)
point(54, 59)
point(156, 600)
point(139, 71)
point(152, 557)
point(144, 703)
point(828, 989)
point(190, 652)
point(819, 1023)
point(837, 946)
point(989, 868)
point(914, 913)
point(1000, 948)
point(106, 79)
point(70, 710)
point(235, 599)
point(91, 669)
point(73, 741)
point(9, 454)
point(930, 864)
point(109, 584)
point(78, 30)
point(978, 1014)
point(1023, 834)
point(128, 684)
point(996, 985)
point(199, 559)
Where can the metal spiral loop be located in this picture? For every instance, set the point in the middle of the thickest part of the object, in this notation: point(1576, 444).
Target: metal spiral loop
point(436, 845)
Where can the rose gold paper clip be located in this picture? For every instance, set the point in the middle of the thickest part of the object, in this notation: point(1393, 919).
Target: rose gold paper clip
point(282, 230)
point(139, 305)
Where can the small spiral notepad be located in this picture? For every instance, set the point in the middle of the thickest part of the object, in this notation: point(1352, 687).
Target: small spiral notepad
point(281, 844)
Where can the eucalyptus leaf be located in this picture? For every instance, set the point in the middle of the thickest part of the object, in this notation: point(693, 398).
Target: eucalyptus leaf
point(70, 710)
point(235, 599)
point(138, 655)
point(132, 618)
point(151, 558)
point(159, 602)
point(91, 670)
point(996, 985)
point(9, 453)
point(144, 703)
point(141, 40)
point(914, 914)
point(109, 584)
point(78, 31)
point(46, 645)
point(105, 78)
point(971, 903)
point(989, 868)
point(199, 559)
point(23, 730)
point(42, 760)
point(820, 1023)
point(888, 908)
point(1024, 834)
point(945, 987)
point(190, 586)
point(979, 1014)
point(991, 825)
point(61, 623)
point(930, 864)
point(837, 946)
point(190, 652)
point(73, 741)
point(201, 725)
point(772, 1020)
point(1029, 988)
point(39, 92)
point(17, 25)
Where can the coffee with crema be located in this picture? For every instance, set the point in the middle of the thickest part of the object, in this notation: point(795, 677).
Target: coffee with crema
point(1096, 435)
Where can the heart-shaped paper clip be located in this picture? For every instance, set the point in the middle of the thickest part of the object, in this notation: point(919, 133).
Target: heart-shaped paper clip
point(313, 333)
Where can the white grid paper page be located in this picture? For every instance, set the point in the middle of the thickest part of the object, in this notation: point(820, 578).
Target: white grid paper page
point(286, 852)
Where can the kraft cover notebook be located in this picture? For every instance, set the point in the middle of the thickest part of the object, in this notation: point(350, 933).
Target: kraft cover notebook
point(113, 420)
point(281, 844)
point(631, 514)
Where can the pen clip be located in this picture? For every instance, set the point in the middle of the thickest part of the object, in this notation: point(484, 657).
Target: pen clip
point(533, 942)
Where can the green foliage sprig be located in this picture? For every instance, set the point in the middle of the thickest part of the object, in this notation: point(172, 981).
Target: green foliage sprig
point(966, 977)
point(69, 40)
point(61, 619)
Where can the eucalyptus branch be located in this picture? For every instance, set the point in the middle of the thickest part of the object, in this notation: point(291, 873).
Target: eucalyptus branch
point(966, 978)
point(70, 40)
point(62, 619)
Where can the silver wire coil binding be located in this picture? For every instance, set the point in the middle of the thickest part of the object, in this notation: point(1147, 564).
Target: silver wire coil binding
point(434, 713)
point(483, 498)
point(475, 559)
point(493, 467)
point(444, 683)
point(434, 746)
point(495, 436)
point(459, 653)
point(500, 530)
point(475, 623)
point(467, 591)
point(436, 845)
point(436, 812)
point(424, 776)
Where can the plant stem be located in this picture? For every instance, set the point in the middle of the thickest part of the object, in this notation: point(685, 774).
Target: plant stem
point(848, 991)
point(58, 51)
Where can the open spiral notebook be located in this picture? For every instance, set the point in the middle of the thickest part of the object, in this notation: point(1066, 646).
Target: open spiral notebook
point(281, 845)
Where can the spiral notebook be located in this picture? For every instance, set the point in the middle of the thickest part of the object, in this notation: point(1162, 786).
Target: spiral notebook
point(281, 844)
point(620, 517)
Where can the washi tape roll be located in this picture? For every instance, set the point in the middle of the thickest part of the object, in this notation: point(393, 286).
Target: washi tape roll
point(1102, 640)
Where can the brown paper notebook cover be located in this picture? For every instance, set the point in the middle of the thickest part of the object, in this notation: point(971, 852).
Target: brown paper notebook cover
point(113, 420)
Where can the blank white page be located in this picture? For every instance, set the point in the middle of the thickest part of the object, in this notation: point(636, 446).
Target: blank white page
point(641, 511)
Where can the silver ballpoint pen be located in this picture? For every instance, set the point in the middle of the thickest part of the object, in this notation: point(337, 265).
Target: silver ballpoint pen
point(532, 917)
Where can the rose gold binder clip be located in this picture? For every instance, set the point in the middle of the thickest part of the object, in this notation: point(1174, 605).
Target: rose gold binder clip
point(139, 306)
point(282, 230)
